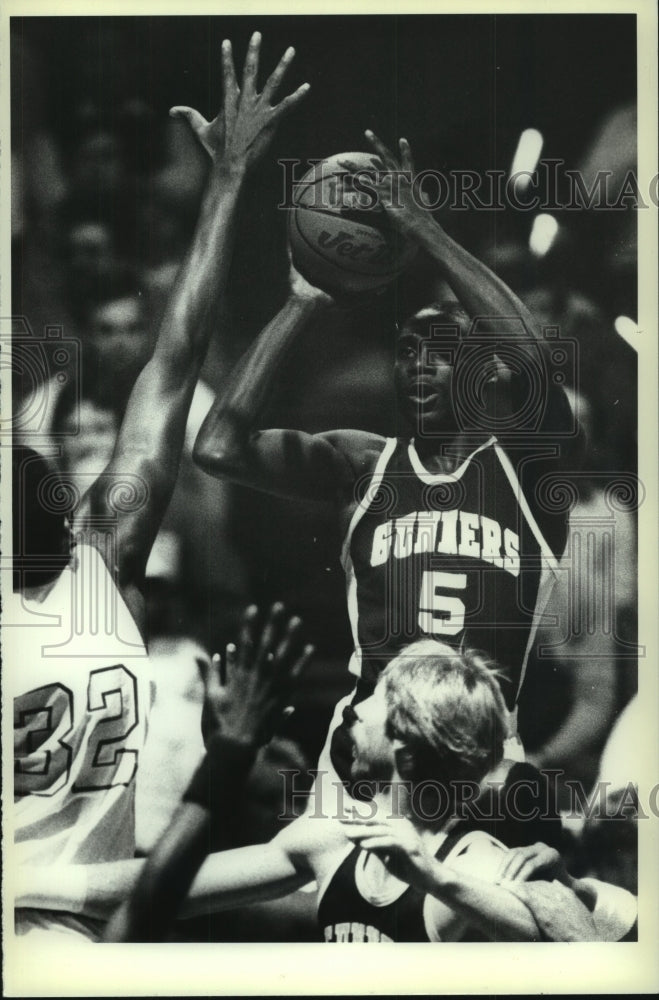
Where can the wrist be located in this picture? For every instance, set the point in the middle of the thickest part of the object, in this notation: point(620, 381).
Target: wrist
point(225, 175)
point(436, 878)
point(310, 300)
point(232, 736)
point(225, 764)
point(435, 241)
point(229, 746)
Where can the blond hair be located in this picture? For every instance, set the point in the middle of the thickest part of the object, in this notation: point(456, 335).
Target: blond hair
point(447, 709)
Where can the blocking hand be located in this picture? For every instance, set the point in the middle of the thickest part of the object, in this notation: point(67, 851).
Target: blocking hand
point(242, 131)
point(247, 693)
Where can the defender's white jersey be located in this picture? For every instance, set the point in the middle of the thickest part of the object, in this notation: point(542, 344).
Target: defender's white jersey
point(78, 671)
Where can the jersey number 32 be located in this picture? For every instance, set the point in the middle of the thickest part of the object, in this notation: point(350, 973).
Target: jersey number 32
point(51, 741)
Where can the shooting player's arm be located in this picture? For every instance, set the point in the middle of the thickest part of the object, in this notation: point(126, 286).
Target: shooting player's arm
point(288, 463)
point(482, 293)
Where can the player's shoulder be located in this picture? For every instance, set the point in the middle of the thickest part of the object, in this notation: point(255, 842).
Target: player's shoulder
point(361, 448)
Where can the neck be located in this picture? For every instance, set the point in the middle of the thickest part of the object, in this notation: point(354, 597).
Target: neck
point(444, 451)
point(394, 800)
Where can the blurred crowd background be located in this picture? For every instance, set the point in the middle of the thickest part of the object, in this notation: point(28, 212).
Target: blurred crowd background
point(105, 191)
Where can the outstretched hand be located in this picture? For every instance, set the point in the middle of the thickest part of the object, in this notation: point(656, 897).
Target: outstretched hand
point(247, 693)
point(242, 131)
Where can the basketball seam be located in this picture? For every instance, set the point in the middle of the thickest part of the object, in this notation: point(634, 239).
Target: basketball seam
point(335, 263)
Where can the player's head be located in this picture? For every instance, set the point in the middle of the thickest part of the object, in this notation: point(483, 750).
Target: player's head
point(40, 523)
point(426, 350)
point(436, 715)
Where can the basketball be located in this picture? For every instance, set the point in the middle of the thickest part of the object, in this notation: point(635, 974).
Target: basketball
point(340, 240)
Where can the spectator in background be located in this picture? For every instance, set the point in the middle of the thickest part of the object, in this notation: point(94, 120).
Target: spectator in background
point(88, 248)
point(96, 163)
point(86, 428)
point(39, 186)
point(116, 345)
point(118, 333)
point(594, 598)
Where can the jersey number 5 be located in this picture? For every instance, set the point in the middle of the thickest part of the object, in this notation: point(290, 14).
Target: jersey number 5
point(441, 613)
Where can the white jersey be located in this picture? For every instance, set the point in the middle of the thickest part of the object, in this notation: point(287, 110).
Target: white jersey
point(78, 671)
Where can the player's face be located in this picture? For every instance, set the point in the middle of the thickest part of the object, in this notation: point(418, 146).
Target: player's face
point(423, 374)
point(372, 750)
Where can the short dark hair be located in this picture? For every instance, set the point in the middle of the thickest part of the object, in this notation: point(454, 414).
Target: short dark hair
point(449, 312)
point(41, 503)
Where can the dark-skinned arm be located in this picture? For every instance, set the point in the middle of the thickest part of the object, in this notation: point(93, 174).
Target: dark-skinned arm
point(482, 293)
point(150, 441)
point(244, 707)
point(478, 289)
point(288, 463)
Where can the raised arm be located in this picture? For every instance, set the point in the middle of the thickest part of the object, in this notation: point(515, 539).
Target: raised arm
point(288, 463)
point(482, 293)
point(244, 701)
point(150, 441)
point(479, 290)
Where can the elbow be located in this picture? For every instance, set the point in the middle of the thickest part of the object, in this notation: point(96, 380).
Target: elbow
point(218, 458)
